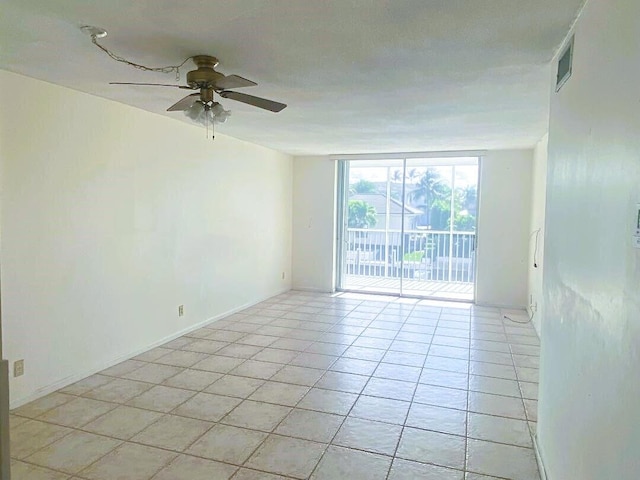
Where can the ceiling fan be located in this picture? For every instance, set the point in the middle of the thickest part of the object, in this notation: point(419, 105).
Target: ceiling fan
point(206, 79)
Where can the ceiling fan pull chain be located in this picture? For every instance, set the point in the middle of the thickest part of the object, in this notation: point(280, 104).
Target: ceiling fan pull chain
point(206, 124)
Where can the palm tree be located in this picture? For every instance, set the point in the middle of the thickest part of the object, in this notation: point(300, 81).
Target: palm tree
point(412, 174)
point(397, 176)
point(429, 189)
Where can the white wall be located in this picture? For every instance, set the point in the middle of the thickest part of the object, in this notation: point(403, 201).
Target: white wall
point(538, 205)
point(314, 194)
point(589, 425)
point(112, 217)
point(503, 228)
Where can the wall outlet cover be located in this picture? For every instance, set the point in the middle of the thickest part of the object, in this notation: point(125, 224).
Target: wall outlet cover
point(18, 368)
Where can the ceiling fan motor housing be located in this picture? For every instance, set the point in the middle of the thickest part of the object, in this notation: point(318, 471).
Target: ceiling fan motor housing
point(205, 76)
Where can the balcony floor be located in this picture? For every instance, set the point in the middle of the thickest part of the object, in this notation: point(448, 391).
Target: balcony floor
point(423, 288)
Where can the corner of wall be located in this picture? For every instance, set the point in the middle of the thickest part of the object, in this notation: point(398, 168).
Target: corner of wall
point(539, 460)
point(535, 297)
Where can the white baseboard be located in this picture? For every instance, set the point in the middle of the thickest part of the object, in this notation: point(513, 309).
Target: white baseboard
point(499, 305)
point(312, 289)
point(541, 469)
point(47, 389)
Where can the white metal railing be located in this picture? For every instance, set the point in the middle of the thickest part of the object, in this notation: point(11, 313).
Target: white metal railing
point(427, 255)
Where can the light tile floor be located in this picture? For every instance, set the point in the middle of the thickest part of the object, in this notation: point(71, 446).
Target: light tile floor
point(302, 386)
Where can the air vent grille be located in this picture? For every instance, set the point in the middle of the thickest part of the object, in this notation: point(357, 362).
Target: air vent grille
point(565, 65)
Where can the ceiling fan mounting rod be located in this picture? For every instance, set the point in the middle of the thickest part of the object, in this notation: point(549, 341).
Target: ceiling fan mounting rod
point(206, 95)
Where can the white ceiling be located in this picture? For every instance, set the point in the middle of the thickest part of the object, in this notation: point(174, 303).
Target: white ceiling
point(358, 75)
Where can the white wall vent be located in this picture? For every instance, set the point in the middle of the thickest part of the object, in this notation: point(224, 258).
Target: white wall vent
point(565, 64)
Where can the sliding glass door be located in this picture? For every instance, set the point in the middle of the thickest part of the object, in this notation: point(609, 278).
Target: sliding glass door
point(372, 237)
point(408, 226)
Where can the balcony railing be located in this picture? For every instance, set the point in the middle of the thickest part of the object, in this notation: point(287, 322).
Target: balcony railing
point(423, 255)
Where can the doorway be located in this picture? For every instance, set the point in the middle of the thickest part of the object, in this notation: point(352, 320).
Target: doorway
point(408, 226)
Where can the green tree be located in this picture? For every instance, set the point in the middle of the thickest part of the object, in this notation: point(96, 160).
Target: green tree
point(361, 214)
point(464, 222)
point(440, 213)
point(465, 200)
point(363, 186)
point(463, 219)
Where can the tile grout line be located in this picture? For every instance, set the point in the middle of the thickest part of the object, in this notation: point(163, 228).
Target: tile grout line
point(395, 452)
point(467, 414)
point(358, 395)
point(280, 422)
point(524, 405)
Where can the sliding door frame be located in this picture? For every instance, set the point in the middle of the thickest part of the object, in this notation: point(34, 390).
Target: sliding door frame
point(341, 204)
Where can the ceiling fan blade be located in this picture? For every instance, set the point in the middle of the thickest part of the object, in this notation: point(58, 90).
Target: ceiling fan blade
point(185, 103)
point(234, 81)
point(151, 84)
point(255, 101)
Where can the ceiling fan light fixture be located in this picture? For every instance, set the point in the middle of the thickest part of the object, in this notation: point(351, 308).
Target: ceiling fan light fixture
point(217, 108)
point(205, 114)
point(196, 112)
point(220, 115)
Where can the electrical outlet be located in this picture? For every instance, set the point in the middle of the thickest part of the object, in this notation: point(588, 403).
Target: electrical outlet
point(18, 368)
point(181, 310)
